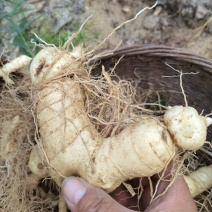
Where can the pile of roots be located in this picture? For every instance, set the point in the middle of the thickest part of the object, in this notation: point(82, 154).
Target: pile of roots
point(111, 105)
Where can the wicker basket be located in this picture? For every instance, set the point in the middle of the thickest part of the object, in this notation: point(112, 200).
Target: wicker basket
point(146, 64)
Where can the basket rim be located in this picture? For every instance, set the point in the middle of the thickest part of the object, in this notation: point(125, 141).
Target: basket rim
point(161, 51)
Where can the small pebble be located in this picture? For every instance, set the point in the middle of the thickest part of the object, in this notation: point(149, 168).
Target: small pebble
point(151, 22)
point(126, 9)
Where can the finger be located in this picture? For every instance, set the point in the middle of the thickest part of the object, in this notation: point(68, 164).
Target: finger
point(177, 198)
point(166, 173)
point(124, 197)
point(80, 196)
point(159, 183)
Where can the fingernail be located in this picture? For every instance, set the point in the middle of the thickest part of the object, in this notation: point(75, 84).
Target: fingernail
point(73, 190)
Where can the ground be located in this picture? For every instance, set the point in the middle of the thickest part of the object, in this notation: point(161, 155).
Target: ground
point(176, 23)
point(170, 23)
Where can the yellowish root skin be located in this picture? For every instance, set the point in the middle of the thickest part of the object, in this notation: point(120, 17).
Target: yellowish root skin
point(16, 64)
point(187, 127)
point(62, 205)
point(199, 180)
point(73, 146)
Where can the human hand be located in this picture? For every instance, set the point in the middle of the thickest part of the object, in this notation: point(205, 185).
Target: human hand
point(80, 196)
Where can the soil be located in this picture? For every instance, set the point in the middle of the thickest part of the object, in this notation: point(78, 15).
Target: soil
point(176, 23)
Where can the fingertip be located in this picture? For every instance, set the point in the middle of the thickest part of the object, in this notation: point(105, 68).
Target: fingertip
point(73, 190)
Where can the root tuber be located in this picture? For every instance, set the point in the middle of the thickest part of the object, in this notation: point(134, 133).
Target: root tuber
point(187, 127)
point(13, 66)
point(199, 180)
point(72, 145)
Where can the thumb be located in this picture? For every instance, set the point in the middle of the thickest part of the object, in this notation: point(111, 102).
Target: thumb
point(80, 196)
